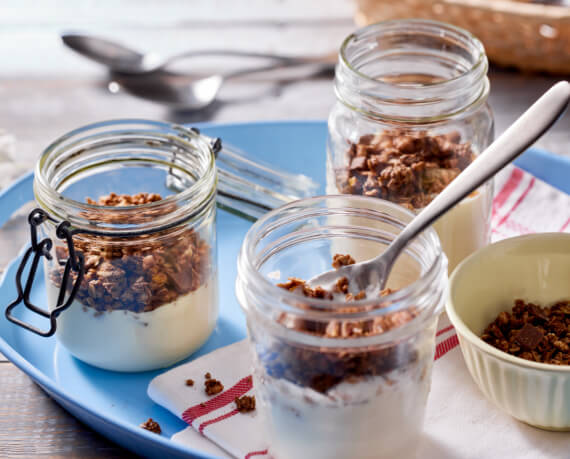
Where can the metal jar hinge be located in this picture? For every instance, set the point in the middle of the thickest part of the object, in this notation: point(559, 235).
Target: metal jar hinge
point(41, 249)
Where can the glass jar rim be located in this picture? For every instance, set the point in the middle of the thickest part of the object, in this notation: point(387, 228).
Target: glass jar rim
point(259, 286)
point(416, 22)
point(453, 95)
point(196, 197)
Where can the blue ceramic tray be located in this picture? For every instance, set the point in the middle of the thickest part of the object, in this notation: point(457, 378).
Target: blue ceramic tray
point(114, 404)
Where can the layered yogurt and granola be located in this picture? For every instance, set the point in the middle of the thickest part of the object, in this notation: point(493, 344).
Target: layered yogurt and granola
point(144, 302)
point(357, 397)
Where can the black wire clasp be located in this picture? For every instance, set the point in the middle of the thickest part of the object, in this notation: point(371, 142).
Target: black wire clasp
point(75, 262)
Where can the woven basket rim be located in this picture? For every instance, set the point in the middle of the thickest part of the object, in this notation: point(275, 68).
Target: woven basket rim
point(513, 7)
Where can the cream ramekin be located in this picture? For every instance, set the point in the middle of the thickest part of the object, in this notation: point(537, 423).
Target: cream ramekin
point(535, 268)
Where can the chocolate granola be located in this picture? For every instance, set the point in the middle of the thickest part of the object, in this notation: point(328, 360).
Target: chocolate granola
point(141, 273)
point(406, 167)
point(322, 368)
point(212, 386)
point(151, 426)
point(245, 404)
point(533, 332)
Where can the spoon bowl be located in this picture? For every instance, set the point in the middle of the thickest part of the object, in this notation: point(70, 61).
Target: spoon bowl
point(371, 276)
point(145, 75)
point(174, 91)
point(183, 92)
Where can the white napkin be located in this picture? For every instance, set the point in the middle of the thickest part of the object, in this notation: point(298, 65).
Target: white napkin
point(215, 417)
point(524, 204)
point(460, 422)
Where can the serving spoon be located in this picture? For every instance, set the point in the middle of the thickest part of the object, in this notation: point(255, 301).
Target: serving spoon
point(179, 92)
point(120, 58)
point(371, 275)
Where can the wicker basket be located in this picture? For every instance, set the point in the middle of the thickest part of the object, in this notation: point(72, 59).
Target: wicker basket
point(515, 33)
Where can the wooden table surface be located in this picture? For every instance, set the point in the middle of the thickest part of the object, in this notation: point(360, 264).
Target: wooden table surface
point(46, 90)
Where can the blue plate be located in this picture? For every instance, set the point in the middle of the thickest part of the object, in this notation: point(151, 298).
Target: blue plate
point(114, 404)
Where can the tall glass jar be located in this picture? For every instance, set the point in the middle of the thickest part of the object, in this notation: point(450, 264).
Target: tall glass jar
point(130, 208)
point(411, 114)
point(339, 379)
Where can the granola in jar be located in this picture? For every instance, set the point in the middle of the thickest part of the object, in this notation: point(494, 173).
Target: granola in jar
point(411, 115)
point(140, 275)
point(408, 168)
point(127, 220)
point(325, 358)
point(144, 299)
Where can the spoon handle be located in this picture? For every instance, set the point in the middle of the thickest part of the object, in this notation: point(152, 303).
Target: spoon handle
point(316, 68)
point(251, 188)
point(289, 60)
point(516, 139)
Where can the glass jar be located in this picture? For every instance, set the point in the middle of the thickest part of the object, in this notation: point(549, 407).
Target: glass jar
point(340, 379)
point(411, 114)
point(137, 202)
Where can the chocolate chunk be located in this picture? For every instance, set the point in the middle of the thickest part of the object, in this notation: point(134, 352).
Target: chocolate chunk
point(529, 337)
point(182, 279)
point(358, 163)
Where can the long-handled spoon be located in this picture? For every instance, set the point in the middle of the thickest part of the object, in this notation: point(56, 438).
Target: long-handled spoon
point(181, 93)
point(120, 58)
point(372, 275)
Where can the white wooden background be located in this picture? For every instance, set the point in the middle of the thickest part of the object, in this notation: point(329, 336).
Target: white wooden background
point(46, 90)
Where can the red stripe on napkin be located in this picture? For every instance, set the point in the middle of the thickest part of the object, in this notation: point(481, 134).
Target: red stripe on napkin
point(218, 419)
point(508, 188)
point(443, 330)
point(519, 201)
point(196, 411)
point(565, 225)
point(518, 228)
point(255, 453)
point(445, 346)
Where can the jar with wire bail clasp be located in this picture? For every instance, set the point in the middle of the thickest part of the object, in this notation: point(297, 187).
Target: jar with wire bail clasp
point(139, 199)
point(411, 114)
point(126, 219)
point(126, 229)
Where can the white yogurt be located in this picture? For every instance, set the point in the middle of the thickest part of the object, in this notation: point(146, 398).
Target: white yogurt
point(379, 417)
point(122, 340)
point(466, 227)
point(462, 230)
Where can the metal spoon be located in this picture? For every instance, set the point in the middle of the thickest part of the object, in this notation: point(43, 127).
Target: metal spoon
point(371, 275)
point(120, 58)
point(179, 92)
